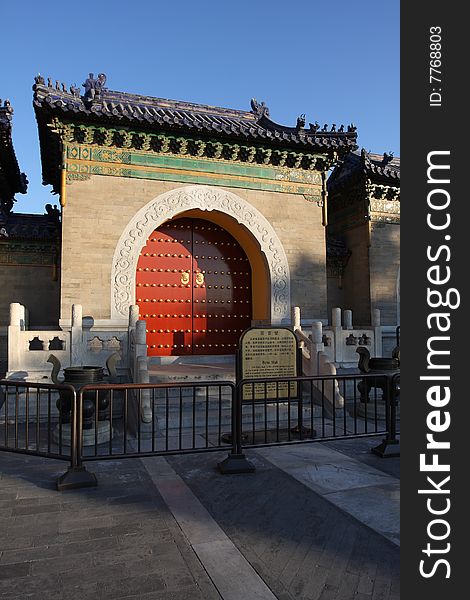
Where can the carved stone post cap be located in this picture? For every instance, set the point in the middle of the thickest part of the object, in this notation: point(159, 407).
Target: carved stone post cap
point(317, 332)
point(336, 317)
point(133, 315)
point(296, 316)
point(16, 314)
point(348, 319)
point(77, 315)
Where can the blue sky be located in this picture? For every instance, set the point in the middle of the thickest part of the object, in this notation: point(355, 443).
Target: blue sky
point(337, 62)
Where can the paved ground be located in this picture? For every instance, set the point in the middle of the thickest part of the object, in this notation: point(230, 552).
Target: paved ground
point(174, 528)
point(118, 540)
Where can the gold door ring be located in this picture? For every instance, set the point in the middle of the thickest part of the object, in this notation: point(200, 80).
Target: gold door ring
point(184, 278)
point(200, 278)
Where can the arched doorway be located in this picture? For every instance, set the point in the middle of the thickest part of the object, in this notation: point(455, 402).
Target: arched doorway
point(211, 200)
point(193, 288)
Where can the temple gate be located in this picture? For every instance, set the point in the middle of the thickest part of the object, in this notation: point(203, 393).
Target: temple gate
point(193, 288)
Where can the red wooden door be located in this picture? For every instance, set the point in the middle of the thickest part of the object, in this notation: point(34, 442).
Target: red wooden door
point(193, 289)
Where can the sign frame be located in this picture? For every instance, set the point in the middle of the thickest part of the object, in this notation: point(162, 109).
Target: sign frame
point(294, 386)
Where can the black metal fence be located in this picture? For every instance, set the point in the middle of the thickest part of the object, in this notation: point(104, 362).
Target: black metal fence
point(154, 419)
point(114, 421)
point(29, 422)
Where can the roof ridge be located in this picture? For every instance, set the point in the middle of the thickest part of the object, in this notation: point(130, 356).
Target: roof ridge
point(165, 111)
point(99, 106)
point(178, 104)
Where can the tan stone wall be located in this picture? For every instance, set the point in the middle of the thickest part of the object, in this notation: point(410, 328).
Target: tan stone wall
point(356, 279)
point(335, 295)
point(384, 266)
point(33, 287)
point(370, 277)
point(97, 211)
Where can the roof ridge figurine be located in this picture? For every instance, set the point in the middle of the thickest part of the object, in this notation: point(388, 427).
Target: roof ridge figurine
point(94, 87)
point(259, 109)
point(300, 121)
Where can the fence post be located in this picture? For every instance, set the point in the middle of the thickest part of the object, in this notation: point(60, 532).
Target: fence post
point(76, 475)
point(390, 445)
point(236, 461)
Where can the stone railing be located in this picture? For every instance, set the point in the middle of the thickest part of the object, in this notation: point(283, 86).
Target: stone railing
point(316, 362)
point(340, 339)
point(138, 363)
point(29, 350)
point(325, 348)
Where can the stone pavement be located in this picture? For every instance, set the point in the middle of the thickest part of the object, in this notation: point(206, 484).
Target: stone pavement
point(118, 540)
point(305, 526)
point(370, 495)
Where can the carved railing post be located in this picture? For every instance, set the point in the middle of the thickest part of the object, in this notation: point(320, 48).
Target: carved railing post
point(133, 315)
point(143, 377)
point(22, 312)
point(296, 318)
point(133, 318)
point(348, 324)
point(337, 334)
point(375, 322)
point(76, 336)
point(317, 346)
point(140, 345)
point(14, 343)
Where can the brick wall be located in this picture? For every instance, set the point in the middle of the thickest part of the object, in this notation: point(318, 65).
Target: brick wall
point(356, 279)
point(98, 209)
point(384, 268)
point(32, 286)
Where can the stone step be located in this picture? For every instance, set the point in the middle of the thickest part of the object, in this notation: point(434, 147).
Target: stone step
point(176, 373)
point(209, 359)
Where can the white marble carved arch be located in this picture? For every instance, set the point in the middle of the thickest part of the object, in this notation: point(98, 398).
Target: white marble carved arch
point(205, 198)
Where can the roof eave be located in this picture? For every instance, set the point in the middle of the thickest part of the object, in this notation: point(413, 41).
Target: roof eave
point(14, 181)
